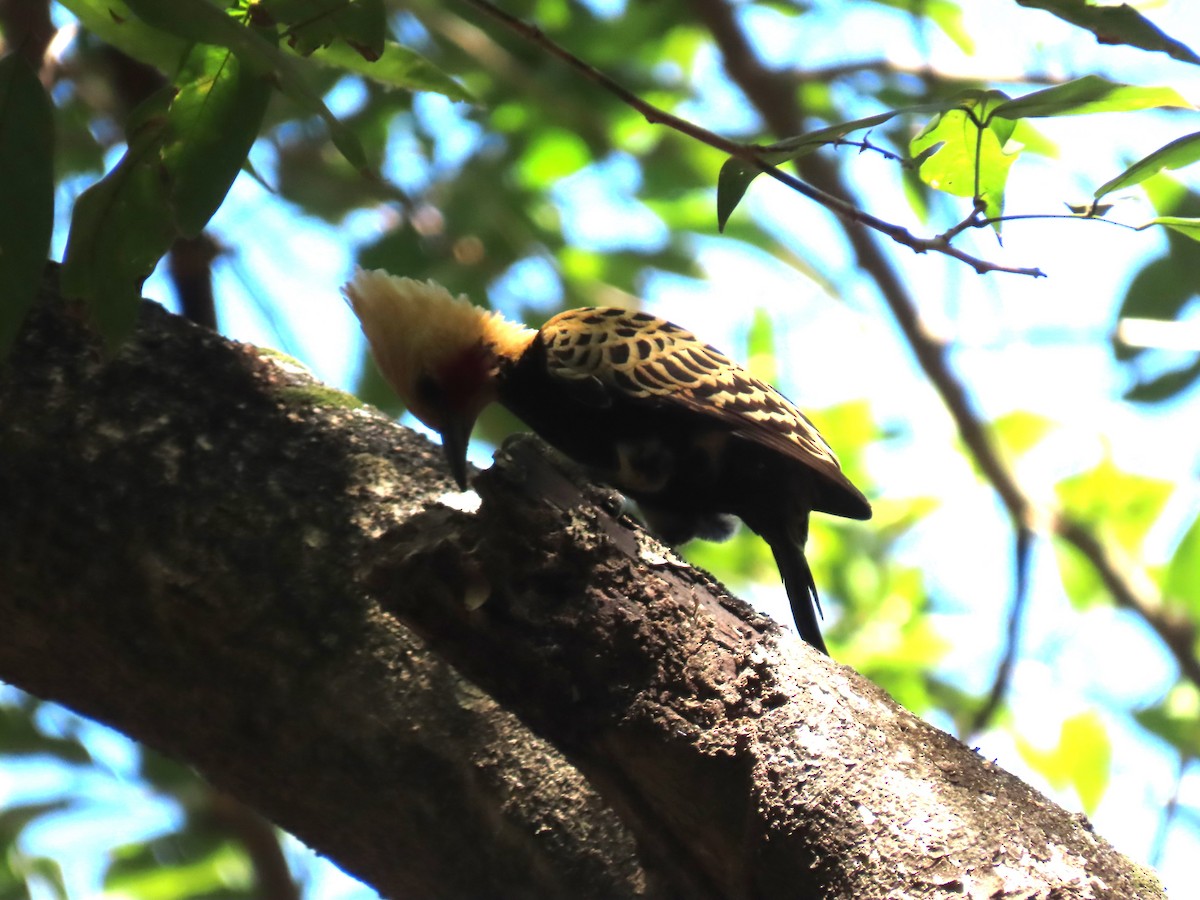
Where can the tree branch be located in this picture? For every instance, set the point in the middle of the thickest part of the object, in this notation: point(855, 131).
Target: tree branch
point(1022, 551)
point(191, 526)
point(181, 540)
point(272, 880)
point(926, 73)
point(747, 153)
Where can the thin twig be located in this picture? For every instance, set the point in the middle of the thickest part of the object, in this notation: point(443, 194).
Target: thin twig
point(1134, 593)
point(865, 145)
point(986, 221)
point(1022, 551)
point(828, 74)
point(746, 153)
point(261, 843)
point(1169, 813)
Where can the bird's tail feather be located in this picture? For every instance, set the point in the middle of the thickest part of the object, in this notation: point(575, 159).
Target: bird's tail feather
point(801, 590)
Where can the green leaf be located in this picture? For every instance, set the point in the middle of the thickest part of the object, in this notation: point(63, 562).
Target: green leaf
point(397, 67)
point(1019, 431)
point(949, 18)
point(1179, 153)
point(1080, 581)
point(736, 175)
point(15, 816)
point(943, 13)
point(20, 736)
point(552, 154)
point(1171, 197)
point(1181, 581)
point(1117, 503)
point(732, 181)
point(185, 149)
point(1088, 751)
point(26, 191)
point(362, 24)
point(168, 776)
point(138, 872)
point(1090, 94)
point(312, 24)
point(962, 151)
point(1160, 290)
point(1186, 226)
point(1165, 385)
point(47, 873)
point(1032, 140)
point(113, 23)
point(743, 559)
point(1082, 759)
point(799, 145)
point(855, 427)
point(122, 225)
point(1115, 24)
point(760, 346)
point(200, 21)
point(1176, 720)
point(213, 122)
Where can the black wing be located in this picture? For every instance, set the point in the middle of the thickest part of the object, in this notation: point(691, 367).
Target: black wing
point(649, 359)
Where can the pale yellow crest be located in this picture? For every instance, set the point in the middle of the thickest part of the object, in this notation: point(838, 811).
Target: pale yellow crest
point(417, 329)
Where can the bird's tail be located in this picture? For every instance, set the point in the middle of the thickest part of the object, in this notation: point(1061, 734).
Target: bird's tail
point(801, 589)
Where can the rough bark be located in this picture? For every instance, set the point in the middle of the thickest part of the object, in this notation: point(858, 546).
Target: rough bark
point(180, 536)
point(206, 550)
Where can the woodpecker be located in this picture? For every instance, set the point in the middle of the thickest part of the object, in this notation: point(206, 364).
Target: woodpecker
point(694, 439)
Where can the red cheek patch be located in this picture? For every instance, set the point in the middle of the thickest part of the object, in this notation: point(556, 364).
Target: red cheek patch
point(465, 378)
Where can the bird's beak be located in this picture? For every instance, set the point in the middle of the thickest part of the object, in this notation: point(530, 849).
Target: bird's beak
point(455, 437)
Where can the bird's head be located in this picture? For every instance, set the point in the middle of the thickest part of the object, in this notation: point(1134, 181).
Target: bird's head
point(440, 354)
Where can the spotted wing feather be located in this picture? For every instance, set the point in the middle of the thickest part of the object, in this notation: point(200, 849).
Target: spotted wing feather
point(648, 359)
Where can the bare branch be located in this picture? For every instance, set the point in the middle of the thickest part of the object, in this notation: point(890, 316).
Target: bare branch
point(259, 839)
point(978, 221)
point(1132, 589)
point(1022, 551)
point(926, 73)
point(1169, 813)
point(747, 153)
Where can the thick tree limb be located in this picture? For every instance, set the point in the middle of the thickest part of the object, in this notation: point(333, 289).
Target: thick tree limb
point(179, 536)
point(201, 547)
